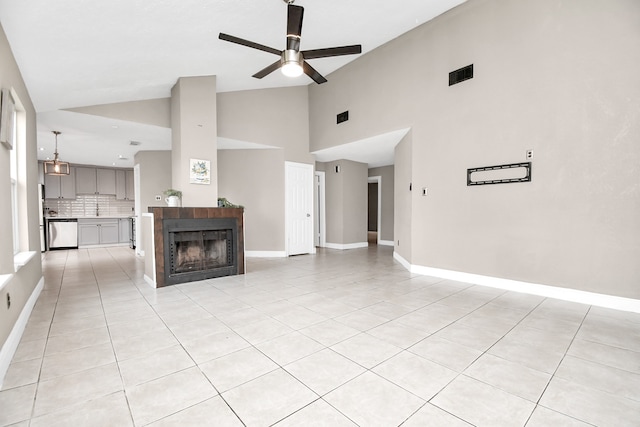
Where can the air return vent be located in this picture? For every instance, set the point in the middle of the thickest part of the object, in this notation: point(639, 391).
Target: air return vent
point(342, 117)
point(460, 75)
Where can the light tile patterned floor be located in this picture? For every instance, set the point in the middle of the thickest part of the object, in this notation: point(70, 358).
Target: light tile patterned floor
point(340, 338)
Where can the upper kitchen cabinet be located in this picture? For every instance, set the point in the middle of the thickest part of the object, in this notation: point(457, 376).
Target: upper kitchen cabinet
point(124, 184)
point(60, 187)
point(95, 181)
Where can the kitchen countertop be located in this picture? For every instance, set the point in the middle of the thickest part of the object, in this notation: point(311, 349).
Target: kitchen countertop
point(87, 217)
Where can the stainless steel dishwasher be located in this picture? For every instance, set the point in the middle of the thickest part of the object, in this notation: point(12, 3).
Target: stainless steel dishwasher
point(63, 233)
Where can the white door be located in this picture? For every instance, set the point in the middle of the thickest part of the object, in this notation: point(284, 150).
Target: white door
point(299, 208)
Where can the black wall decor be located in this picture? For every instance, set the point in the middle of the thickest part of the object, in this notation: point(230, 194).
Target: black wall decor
point(460, 75)
point(510, 172)
point(342, 117)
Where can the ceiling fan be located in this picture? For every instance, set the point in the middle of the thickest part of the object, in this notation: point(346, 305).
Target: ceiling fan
point(293, 61)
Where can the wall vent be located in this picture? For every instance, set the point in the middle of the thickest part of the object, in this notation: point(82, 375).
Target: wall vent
point(460, 75)
point(342, 117)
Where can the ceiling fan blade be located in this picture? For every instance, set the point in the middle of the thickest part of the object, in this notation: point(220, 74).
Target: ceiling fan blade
point(243, 42)
point(268, 70)
point(332, 51)
point(294, 20)
point(311, 72)
point(294, 27)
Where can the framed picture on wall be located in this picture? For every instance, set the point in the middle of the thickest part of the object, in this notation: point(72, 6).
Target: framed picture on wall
point(7, 111)
point(200, 171)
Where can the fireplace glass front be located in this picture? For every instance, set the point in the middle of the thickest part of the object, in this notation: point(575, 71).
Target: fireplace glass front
point(197, 249)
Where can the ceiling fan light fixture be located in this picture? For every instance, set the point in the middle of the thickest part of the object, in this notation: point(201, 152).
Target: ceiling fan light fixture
point(56, 166)
point(291, 63)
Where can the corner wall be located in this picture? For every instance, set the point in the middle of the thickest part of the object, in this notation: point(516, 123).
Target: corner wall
point(547, 78)
point(25, 280)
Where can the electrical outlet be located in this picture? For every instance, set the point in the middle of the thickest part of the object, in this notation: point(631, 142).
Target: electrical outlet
point(8, 301)
point(158, 198)
point(529, 154)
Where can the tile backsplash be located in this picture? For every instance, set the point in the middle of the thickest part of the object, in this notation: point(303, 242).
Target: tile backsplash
point(90, 206)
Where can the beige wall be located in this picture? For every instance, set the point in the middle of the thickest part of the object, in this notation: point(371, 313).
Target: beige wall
point(386, 205)
point(255, 180)
point(155, 177)
point(274, 117)
point(346, 202)
point(25, 279)
point(194, 135)
point(547, 78)
point(402, 205)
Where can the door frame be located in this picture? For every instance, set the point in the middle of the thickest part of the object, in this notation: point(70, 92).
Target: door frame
point(378, 180)
point(321, 213)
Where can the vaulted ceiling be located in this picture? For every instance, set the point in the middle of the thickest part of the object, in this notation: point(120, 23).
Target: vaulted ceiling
point(80, 53)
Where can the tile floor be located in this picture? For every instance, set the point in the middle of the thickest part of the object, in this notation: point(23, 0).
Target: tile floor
point(335, 339)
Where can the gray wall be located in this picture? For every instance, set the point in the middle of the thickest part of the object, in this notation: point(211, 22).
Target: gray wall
point(274, 117)
point(194, 135)
point(155, 177)
point(346, 202)
point(255, 180)
point(547, 78)
point(25, 280)
point(403, 203)
point(386, 174)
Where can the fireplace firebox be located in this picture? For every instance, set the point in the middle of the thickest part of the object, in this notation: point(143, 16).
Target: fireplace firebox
point(198, 249)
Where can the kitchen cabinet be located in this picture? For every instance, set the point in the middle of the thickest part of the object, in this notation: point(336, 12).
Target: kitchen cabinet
point(124, 184)
point(95, 181)
point(60, 187)
point(124, 230)
point(98, 232)
point(106, 181)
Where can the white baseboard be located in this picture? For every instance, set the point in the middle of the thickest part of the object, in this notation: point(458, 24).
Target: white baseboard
point(385, 242)
point(566, 294)
point(150, 281)
point(265, 254)
point(11, 344)
point(343, 246)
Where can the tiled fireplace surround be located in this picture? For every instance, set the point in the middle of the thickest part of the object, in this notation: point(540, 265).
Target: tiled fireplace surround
point(162, 213)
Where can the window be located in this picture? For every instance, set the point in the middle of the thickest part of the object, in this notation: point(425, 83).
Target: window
point(14, 182)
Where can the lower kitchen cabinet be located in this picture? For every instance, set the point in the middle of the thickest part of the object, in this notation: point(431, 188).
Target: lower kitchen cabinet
point(125, 230)
point(98, 232)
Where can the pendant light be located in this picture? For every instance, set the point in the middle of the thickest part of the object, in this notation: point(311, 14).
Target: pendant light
point(55, 166)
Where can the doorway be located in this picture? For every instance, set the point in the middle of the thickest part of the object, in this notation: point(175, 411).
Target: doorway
point(320, 238)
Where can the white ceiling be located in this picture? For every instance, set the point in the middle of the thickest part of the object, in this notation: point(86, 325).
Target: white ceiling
point(80, 53)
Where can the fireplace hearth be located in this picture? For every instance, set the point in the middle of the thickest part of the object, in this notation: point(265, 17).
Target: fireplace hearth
point(197, 243)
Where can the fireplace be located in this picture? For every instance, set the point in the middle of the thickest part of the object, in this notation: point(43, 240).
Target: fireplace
point(196, 244)
point(198, 249)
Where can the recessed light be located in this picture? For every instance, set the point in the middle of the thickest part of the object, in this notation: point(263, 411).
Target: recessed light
point(41, 148)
